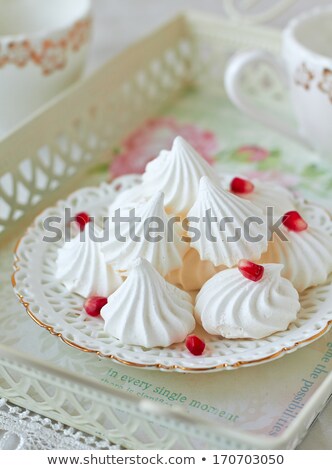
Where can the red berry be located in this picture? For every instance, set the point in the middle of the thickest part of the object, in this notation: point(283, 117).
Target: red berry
point(93, 305)
point(195, 345)
point(293, 221)
point(82, 219)
point(241, 186)
point(250, 270)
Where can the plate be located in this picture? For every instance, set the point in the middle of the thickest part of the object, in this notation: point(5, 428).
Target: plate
point(51, 306)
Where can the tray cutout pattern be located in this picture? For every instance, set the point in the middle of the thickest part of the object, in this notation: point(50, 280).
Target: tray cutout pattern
point(91, 133)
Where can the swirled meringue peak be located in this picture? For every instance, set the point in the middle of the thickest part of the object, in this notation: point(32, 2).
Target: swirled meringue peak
point(164, 253)
point(177, 173)
point(194, 272)
point(228, 241)
point(270, 195)
point(306, 255)
point(233, 306)
point(82, 268)
point(148, 311)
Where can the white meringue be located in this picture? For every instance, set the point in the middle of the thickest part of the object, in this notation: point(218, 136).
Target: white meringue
point(164, 255)
point(270, 195)
point(148, 311)
point(233, 306)
point(82, 268)
point(127, 199)
point(194, 272)
point(177, 174)
point(306, 256)
point(220, 250)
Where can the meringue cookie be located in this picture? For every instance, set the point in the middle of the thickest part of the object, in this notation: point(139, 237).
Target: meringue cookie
point(194, 272)
point(220, 250)
point(127, 199)
point(270, 195)
point(306, 256)
point(148, 311)
point(233, 306)
point(177, 174)
point(164, 255)
point(82, 268)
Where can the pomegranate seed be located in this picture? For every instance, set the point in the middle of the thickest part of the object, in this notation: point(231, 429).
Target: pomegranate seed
point(250, 270)
point(82, 219)
point(241, 186)
point(93, 305)
point(195, 345)
point(293, 221)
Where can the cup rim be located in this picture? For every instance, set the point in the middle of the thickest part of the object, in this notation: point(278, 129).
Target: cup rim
point(290, 30)
point(46, 32)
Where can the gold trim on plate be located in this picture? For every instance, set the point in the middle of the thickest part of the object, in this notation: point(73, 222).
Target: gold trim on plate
point(235, 365)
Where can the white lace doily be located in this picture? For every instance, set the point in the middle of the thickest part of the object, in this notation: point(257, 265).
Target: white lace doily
point(22, 429)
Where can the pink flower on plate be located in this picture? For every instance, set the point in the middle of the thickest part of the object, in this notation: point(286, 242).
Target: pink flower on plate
point(144, 144)
point(274, 176)
point(253, 153)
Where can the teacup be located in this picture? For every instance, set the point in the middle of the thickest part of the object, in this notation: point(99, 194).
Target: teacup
point(306, 68)
point(43, 48)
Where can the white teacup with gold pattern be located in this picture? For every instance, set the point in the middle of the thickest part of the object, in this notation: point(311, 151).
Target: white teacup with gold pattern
point(306, 68)
point(43, 46)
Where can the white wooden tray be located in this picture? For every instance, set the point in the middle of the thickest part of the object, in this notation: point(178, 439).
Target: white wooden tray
point(173, 77)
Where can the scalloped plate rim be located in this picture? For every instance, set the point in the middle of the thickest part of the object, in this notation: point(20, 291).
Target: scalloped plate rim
point(166, 365)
